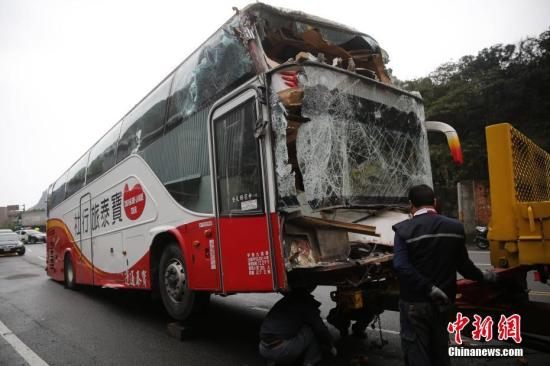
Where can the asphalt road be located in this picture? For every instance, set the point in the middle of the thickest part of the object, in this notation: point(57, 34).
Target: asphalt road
point(50, 325)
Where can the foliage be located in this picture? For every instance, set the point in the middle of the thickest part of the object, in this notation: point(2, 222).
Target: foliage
point(503, 83)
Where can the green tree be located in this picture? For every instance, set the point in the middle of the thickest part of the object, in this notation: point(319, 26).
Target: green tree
point(502, 83)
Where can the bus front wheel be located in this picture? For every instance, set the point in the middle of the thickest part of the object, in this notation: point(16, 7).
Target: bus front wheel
point(180, 302)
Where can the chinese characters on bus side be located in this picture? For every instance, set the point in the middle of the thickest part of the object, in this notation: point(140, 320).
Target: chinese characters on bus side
point(106, 211)
point(212, 252)
point(135, 278)
point(508, 328)
point(243, 197)
point(258, 263)
point(247, 201)
point(116, 200)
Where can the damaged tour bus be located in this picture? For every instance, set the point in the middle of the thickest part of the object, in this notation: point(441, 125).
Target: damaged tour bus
point(278, 154)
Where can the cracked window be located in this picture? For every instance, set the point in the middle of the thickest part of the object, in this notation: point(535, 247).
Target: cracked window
point(350, 143)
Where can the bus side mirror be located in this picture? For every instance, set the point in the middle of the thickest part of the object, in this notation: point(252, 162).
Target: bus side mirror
point(452, 138)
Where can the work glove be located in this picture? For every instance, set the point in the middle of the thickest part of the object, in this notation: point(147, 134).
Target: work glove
point(489, 276)
point(439, 298)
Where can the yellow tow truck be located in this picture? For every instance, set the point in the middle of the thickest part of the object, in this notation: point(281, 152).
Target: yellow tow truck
point(519, 231)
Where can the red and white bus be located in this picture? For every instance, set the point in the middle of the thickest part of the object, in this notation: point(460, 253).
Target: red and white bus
point(277, 154)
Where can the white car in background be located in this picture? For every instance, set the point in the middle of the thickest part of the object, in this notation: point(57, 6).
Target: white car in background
point(31, 236)
point(10, 243)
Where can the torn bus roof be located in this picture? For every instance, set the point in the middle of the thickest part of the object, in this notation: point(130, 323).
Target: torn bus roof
point(299, 16)
point(284, 34)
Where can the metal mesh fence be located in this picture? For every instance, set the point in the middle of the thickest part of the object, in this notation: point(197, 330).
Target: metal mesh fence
point(531, 169)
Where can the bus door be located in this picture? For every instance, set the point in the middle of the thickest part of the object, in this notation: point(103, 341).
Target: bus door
point(85, 257)
point(240, 206)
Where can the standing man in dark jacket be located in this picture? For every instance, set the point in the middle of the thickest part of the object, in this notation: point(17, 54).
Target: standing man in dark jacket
point(428, 251)
point(293, 330)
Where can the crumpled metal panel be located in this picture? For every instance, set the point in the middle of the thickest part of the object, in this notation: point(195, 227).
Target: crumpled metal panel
point(272, 18)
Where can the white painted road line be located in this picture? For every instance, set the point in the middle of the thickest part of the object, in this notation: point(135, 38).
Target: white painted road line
point(539, 293)
point(259, 308)
point(386, 331)
point(30, 250)
point(28, 355)
point(40, 257)
point(478, 251)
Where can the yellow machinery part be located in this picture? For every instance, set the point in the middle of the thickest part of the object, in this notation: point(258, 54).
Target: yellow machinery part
point(351, 299)
point(519, 176)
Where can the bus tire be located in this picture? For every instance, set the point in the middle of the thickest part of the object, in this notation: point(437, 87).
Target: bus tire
point(69, 278)
point(179, 301)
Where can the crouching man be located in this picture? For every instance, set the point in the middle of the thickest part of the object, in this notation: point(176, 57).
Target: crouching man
point(294, 331)
point(428, 251)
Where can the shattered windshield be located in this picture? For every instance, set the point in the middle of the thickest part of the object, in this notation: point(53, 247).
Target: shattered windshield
point(350, 143)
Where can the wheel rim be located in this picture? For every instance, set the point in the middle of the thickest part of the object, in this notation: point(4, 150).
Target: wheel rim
point(174, 280)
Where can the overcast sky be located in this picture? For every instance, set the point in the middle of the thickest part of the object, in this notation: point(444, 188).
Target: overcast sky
point(69, 69)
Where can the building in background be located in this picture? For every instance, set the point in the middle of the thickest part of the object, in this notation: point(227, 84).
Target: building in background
point(36, 215)
point(474, 204)
point(34, 219)
point(15, 217)
point(3, 216)
point(9, 216)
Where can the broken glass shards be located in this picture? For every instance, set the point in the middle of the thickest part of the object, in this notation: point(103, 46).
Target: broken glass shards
point(217, 67)
point(286, 183)
point(364, 145)
point(357, 143)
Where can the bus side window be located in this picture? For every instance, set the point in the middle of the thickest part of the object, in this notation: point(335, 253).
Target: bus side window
point(180, 160)
point(77, 175)
point(49, 204)
point(103, 154)
point(145, 123)
point(238, 161)
point(58, 194)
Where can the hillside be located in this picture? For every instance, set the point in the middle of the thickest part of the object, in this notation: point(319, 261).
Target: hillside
point(503, 83)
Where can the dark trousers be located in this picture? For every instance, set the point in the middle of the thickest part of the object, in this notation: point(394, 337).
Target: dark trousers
point(424, 336)
point(303, 346)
